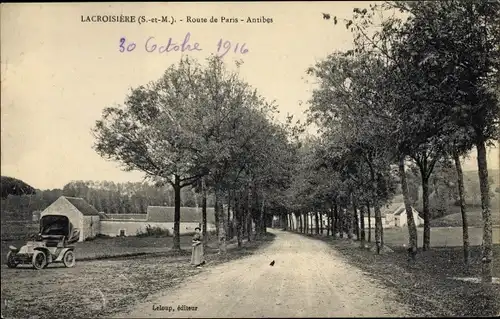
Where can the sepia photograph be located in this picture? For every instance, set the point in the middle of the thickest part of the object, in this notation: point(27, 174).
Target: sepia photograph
point(250, 159)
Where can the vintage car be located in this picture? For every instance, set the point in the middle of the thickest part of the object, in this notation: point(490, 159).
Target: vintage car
point(51, 245)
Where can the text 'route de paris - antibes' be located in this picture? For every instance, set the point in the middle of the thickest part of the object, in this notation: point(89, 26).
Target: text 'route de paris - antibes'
point(166, 19)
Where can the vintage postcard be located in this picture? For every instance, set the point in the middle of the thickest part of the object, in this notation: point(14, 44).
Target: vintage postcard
point(250, 159)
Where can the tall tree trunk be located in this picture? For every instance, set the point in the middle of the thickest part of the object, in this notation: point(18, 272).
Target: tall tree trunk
point(204, 212)
point(229, 233)
point(342, 222)
point(427, 216)
point(335, 220)
point(177, 213)
point(216, 208)
point(356, 220)
point(369, 222)
point(300, 223)
point(487, 254)
point(317, 223)
point(311, 223)
point(248, 215)
point(304, 216)
point(412, 229)
point(329, 221)
point(321, 223)
point(262, 220)
point(249, 226)
point(255, 212)
point(350, 223)
point(243, 215)
point(379, 231)
point(238, 214)
point(306, 223)
point(222, 221)
point(362, 221)
point(461, 195)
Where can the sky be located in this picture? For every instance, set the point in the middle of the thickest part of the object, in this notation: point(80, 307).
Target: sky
point(59, 73)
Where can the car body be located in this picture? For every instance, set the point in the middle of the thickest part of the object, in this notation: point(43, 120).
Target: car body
point(51, 245)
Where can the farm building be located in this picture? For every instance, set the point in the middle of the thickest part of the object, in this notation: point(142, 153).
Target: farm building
point(80, 213)
point(91, 222)
point(156, 216)
point(401, 218)
point(393, 215)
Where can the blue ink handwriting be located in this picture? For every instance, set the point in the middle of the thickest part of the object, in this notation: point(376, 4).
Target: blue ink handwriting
point(222, 48)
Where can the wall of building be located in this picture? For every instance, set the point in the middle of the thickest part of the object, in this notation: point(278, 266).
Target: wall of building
point(131, 228)
point(403, 219)
point(385, 223)
point(91, 226)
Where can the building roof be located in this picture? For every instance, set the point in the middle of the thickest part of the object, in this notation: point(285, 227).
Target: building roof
point(126, 216)
point(402, 210)
point(103, 215)
point(390, 208)
point(85, 208)
point(160, 214)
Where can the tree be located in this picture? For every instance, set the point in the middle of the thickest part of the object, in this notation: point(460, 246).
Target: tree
point(457, 54)
point(14, 186)
point(348, 106)
point(157, 131)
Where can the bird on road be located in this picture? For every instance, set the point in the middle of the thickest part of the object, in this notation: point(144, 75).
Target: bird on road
point(272, 263)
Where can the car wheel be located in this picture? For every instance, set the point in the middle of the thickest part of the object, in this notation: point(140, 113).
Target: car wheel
point(69, 259)
point(39, 260)
point(11, 262)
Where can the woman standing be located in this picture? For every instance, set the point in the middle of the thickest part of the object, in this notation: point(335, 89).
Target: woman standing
point(197, 254)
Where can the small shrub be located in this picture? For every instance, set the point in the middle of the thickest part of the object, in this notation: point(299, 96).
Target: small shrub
point(153, 231)
point(102, 236)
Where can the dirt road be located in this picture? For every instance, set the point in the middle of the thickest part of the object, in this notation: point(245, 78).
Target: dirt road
point(309, 279)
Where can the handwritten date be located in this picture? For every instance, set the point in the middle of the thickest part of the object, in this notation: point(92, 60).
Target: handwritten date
point(222, 48)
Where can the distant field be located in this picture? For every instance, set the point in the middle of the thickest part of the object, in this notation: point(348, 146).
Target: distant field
point(474, 219)
point(440, 236)
point(12, 230)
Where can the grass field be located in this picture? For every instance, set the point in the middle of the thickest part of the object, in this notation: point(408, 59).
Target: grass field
point(474, 219)
point(440, 236)
point(13, 230)
point(98, 289)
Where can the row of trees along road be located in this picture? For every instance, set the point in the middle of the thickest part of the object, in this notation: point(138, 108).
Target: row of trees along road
point(420, 86)
point(203, 127)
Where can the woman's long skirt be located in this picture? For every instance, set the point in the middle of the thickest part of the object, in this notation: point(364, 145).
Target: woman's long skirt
point(197, 255)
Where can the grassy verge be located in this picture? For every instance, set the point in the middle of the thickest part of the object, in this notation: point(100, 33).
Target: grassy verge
point(426, 286)
point(102, 288)
point(102, 248)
